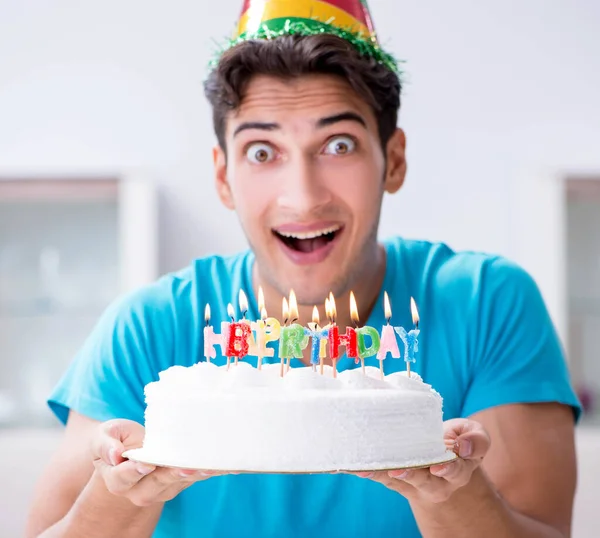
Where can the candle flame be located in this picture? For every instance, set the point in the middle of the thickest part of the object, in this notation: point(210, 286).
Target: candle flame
point(332, 309)
point(387, 307)
point(261, 299)
point(414, 312)
point(285, 311)
point(231, 312)
point(207, 314)
point(354, 309)
point(315, 316)
point(263, 313)
point(243, 300)
point(293, 307)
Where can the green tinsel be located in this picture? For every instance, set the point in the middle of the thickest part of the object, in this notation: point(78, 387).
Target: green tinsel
point(366, 46)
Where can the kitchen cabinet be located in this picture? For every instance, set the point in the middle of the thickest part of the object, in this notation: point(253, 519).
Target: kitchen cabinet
point(68, 247)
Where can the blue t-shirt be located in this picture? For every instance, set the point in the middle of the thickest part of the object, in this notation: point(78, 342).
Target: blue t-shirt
point(486, 340)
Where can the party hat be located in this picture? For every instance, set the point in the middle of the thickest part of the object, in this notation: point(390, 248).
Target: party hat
point(348, 19)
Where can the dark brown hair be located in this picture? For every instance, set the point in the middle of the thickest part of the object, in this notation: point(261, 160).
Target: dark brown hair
point(292, 56)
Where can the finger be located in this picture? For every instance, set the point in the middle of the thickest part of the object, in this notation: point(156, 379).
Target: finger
point(418, 478)
point(120, 479)
point(165, 477)
point(107, 448)
point(166, 483)
point(457, 473)
point(473, 445)
point(467, 438)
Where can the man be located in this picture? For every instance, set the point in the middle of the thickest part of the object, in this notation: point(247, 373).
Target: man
point(305, 107)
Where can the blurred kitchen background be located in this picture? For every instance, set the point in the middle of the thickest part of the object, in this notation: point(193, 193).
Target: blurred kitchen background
point(106, 175)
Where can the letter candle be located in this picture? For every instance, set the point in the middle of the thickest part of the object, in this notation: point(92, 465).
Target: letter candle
point(285, 316)
point(211, 339)
point(237, 341)
point(336, 339)
point(363, 351)
point(319, 337)
point(389, 344)
point(243, 302)
point(293, 339)
point(272, 327)
point(260, 328)
point(412, 341)
point(355, 319)
point(252, 347)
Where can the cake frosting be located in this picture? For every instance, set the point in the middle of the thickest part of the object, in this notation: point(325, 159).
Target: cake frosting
point(245, 419)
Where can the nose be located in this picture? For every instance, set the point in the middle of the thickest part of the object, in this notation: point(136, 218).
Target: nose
point(302, 192)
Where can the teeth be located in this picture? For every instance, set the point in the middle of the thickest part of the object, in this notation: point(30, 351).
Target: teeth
point(310, 235)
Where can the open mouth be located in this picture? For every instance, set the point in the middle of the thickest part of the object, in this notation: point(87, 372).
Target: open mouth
point(308, 242)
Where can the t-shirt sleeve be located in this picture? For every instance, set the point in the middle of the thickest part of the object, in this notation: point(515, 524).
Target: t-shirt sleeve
point(127, 348)
point(514, 354)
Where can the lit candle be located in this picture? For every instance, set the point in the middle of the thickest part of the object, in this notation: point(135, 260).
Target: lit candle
point(293, 340)
point(336, 339)
point(364, 351)
point(319, 339)
point(410, 339)
point(260, 328)
point(389, 344)
point(243, 302)
point(211, 339)
point(237, 342)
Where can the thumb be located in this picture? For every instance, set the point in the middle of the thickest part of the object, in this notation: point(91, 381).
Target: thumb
point(108, 442)
point(473, 444)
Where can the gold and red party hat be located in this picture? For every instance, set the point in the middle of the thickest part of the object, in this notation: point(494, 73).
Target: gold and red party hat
point(348, 19)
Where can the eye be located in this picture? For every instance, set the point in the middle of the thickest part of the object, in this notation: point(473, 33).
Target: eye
point(260, 153)
point(340, 145)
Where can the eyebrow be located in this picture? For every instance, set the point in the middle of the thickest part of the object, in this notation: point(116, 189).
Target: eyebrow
point(323, 122)
point(344, 116)
point(256, 125)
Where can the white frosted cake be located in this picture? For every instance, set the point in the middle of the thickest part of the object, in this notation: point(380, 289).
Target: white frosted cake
point(244, 419)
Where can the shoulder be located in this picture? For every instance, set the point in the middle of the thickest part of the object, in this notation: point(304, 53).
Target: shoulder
point(461, 275)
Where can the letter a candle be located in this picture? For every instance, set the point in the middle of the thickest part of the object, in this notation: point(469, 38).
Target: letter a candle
point(389, 344)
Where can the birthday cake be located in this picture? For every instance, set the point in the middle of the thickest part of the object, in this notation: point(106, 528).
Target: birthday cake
point(245, 419)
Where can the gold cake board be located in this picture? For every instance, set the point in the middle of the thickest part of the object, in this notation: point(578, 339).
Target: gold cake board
point(137, 455)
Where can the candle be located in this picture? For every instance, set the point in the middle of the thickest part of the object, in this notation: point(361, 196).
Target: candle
point(211, 339)
point(410, 339)
point(285, 316)
point(243, 302)
point(260, 327)
point(355, 319)
point(319, 339)
point(237, 341)
point(389, 344)
point(293, 339)
point(364, 351)
point(336, 339)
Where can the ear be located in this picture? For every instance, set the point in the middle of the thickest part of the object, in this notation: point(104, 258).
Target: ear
point(221, 182)
point(396, 162)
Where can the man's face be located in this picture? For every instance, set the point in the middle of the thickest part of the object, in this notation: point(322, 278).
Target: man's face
point(306, 174)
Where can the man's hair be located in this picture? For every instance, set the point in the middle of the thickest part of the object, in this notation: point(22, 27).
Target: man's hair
point(293, 56)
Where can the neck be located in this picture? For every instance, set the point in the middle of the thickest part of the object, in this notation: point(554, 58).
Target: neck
point(365, 285)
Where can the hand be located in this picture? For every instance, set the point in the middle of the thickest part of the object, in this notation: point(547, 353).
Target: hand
point(437, 483)
point(142, 484)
